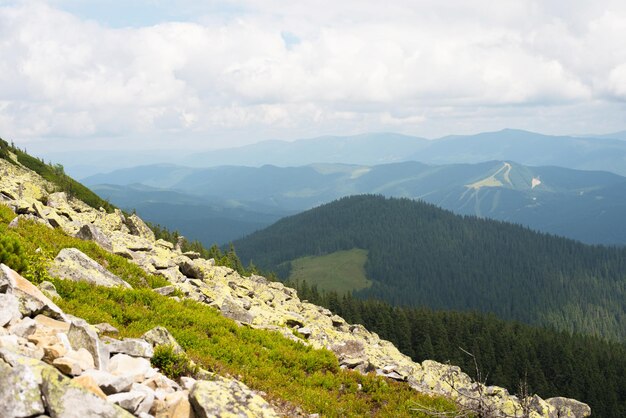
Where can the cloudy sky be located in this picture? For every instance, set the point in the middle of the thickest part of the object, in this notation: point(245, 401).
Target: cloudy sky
point(209, 74)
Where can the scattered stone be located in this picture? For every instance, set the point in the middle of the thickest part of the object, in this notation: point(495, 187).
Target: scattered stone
point(110, 383)
point(227, 398)
point(164, 244)
point(31, 300)
point(81, 335)
point(106, 328)
point(134, 347)
point(146, 404)
point(569, 407)
point(230, 309)
point(49, 289)
point(90, 232)
point(138, 227)
point(128, 400)
point(55, 326)
point(88, 383)
point(161, 336)
point(19, 389)
point(165, 290)
point(125, 365)
point(67, 400)
point(72, 264)
point(67, 366)
point(9, 309)
point(24, 328)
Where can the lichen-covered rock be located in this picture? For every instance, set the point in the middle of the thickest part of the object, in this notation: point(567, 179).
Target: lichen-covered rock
point(65, 399)
point(135, 347)
point(49, 289)
point(138, 227)
point(227, 398)
point(20, 395)
point(90, 232)
point(566, 407)
point(161, 336)
point(81, 335)
point(231, 309)
point(72, 264)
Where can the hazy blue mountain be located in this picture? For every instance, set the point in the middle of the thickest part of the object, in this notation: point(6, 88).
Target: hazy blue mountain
point(210, 221)
point(371, 148)
point(528, 148)
point(598, 153)
point(584, 205)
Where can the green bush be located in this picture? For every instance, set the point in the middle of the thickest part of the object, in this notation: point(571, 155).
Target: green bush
point(171, 364)
point(12, 254)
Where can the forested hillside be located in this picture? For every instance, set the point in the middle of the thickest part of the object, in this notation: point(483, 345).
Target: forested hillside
point(420, 255)
point(507, 353)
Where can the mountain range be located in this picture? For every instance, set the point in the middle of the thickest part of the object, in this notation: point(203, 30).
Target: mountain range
point(529, 148)
point(219, 204)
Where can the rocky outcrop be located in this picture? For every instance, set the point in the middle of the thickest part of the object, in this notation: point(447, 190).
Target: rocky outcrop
point(73, 265)
point(62, 368)
point(253, 301)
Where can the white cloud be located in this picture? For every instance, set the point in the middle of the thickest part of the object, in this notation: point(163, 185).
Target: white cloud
point(423, 67)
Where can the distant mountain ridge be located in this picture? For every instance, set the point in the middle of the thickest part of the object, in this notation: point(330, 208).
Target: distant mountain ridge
point(529, 148)
point(584, 205)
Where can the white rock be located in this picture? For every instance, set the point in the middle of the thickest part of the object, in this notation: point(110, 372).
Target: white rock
point(125, 365)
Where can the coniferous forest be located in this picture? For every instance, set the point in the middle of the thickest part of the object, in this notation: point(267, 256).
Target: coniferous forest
point(508, 353)
point(423, 256)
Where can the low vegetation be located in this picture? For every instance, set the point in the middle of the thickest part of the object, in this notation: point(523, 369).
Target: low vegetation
point(264, 360)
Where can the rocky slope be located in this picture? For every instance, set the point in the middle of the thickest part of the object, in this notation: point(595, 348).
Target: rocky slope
point(50, 369)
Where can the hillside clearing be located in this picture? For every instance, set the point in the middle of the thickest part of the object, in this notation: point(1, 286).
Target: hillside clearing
point(341, 271)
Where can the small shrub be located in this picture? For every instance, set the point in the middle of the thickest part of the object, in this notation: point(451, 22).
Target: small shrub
point(171, 364)
point(12, 254)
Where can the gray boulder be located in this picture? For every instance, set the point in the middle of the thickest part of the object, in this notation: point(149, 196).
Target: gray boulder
point(31, 300)
point(90, 232)
point(134, 347)
point(139, 228)
point(227, 398)
point(161, 336)
point(110, 383)
point(9, 309)
point(19, 391)
point(81, 335)
point(566, 407)
point(74, 265)
point(231, 309)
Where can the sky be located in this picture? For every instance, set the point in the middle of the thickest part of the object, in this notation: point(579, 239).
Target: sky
point(172, 75)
